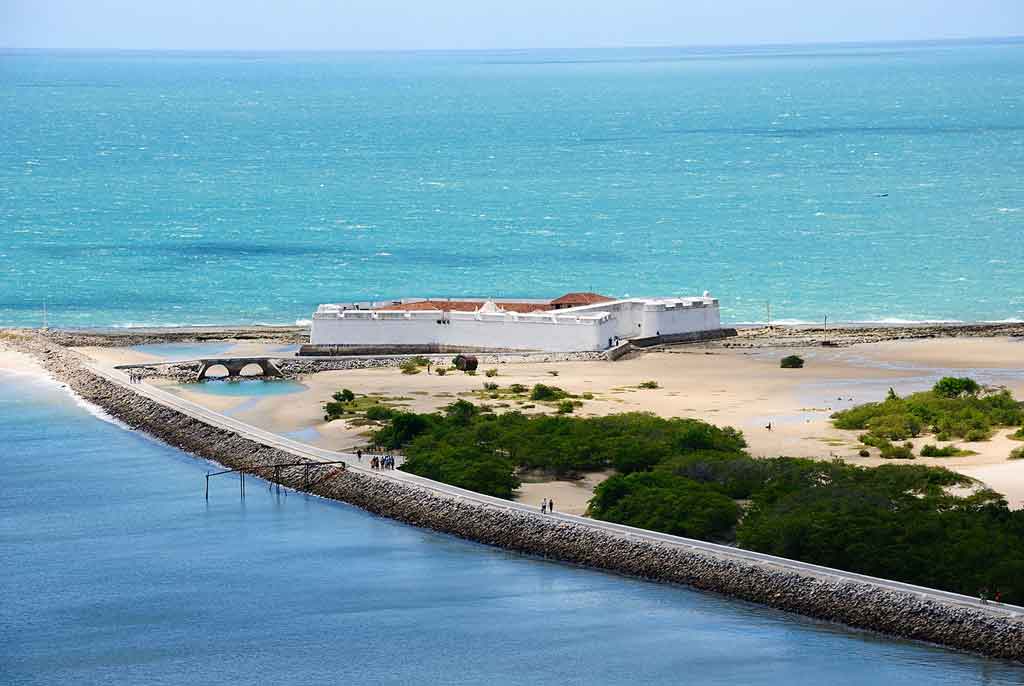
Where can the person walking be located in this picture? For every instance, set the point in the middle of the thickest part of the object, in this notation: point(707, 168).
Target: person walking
point(551, 506)
point(359, 454)
point(544, 506)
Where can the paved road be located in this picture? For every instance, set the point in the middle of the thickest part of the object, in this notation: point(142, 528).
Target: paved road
point(303, 450)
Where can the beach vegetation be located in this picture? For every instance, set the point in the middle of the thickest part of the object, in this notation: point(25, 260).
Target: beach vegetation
point(553, 372)
point(490, 373)
point(863, 452)
point(345, 395)
point(379, 413)
point(567, 406)
point(932, 451)
point(792, 362)
point(956, 387)
point(1017, 435)
point(490, 386)
point(665, 502)
point(543, 392)
point(690, 478)
point(409, 367)
point(952, 408)
point(648, 384)
point(441, 372)
point(1017, 453)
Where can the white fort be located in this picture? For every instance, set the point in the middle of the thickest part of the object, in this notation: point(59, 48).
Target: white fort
point(575, 322)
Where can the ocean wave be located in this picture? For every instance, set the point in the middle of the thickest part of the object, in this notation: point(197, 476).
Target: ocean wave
point(95, 410)
point(899, 320)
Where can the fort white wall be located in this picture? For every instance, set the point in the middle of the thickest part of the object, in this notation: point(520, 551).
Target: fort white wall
point(588, 328)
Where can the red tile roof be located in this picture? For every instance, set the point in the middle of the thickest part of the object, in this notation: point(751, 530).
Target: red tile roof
point(577, 299)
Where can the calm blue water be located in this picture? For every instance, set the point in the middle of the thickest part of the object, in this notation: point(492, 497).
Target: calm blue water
point(866, 183)
point(118, 572)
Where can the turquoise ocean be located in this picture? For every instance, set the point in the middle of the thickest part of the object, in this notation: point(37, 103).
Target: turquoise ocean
point(862, 182)
point(865, 182)
point(116, 570)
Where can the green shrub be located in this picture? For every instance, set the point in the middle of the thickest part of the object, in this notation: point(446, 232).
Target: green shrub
point(517, 388)
point(409, 367)
point(590, 396)
point(1017, 453)
point(955, 387)
point(895, 427)
point(1018, 435)
point(897, 452)
point(491, 373)
point(648, 384)
point(566, 407)
point(344, 396)
point(490, 386)
point(441, 371)
point(968, 416)
point(792, 362)
point(544, 392)
point(419, 361)
point(864, 452)
point(930, 450)
point(665, 502)
point(379, 413)
point(470, 372)
point(334, 410)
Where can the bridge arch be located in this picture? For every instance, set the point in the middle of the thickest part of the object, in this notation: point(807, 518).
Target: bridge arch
point(238, 366)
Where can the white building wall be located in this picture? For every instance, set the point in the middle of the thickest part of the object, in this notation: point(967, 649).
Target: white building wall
point(591, 327)
point(502, 331)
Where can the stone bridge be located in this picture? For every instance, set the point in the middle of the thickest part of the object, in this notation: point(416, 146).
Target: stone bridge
point(235, 365)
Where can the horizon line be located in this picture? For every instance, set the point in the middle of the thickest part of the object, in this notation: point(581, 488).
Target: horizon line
point(1013, 38)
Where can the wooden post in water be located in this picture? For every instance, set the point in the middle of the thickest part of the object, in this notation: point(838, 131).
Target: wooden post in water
point(207, 486)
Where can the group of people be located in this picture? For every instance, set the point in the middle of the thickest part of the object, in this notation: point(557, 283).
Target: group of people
point(135, 376)
point(547, 505)
point(382, 462)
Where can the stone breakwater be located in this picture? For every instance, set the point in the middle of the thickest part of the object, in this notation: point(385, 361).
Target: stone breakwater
point(846, 335)
point(854, 603)
point(295, 367)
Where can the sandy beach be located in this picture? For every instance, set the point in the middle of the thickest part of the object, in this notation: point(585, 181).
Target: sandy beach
point(741, 388)
point(744, 388)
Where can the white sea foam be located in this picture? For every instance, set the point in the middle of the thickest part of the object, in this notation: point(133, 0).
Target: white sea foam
point(303, 322)
point(898, 320)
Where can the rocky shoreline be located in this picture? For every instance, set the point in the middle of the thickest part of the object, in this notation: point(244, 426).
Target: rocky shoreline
point(846, 335)
point(853, 603)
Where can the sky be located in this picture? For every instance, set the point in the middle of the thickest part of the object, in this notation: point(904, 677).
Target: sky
point(486, 24)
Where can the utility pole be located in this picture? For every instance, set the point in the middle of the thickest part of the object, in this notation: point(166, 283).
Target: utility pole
point(825, 330)
point(768, 309)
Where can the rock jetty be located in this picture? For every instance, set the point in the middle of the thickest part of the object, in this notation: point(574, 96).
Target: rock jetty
point(859, 604)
